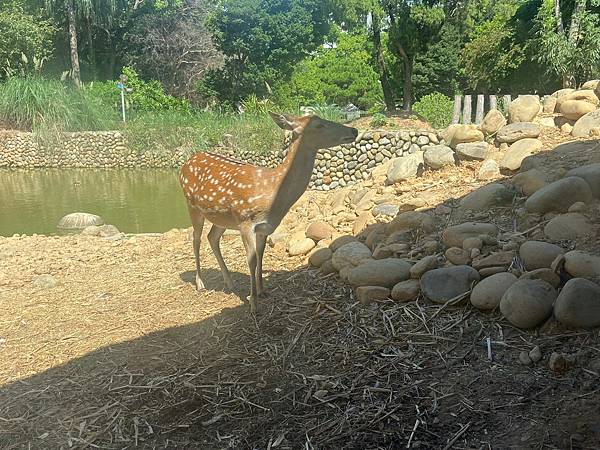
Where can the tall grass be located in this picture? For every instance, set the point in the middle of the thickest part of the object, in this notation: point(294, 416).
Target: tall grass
point(48, 106)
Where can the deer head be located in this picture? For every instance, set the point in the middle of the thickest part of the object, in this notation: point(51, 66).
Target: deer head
point(316, 133)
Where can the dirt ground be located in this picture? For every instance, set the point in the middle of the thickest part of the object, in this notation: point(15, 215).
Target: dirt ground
point(124, 353)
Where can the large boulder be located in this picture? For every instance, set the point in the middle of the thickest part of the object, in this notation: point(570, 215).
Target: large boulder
point(381, 272)
point(528, 303)
point(489, 291)
point(518, 151)
point(492, 122)
point(405, 167)
point(591, 174)
point(562, 92)
point(574, 109)
point(559, 196)
point(591, 84)
point(585, 124)
point(441, 285)
point(79, 221)
point(582, 264)
point(538, 255)
point(549, 105)
point(464, 133)
point(350, 255)
point(438, 156)
point(584, 95)
point(455, 235)
point(524, 108)
point(578, 304)
point(490, 195)
point(516, 131)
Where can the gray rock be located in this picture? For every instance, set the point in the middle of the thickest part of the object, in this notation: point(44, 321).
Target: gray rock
point(578, 304)
point(518, 151)
point(45, 281)
point(458, 256)
point(473, 150)
point(528, 303)
point(530, 181)
point(495, 259)
point(535, 354)
point(350, 255)
point(411, 220)
point(568, 226)
point(559, 196)
point(438, 156)
point(516, 131)
point(544, 274)
point(406, 291)
point(492, 122)
point(441, 285)
point(591, 174)
point(489, 169)
point(524, 108)
point(385, 210)
point(487, 196)
point(369, 294)
point(382, 272)
point(301, 247)
point(405, 167)
point(318, 231)
point(455, 235)
point(585, 124)
point(489, 291)
point(423, 265)
point(582, 264)
point(320, 256)
point(79, 220)
point(538, 255)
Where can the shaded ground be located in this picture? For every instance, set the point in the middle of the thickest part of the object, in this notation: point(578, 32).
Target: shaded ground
point(124, 353)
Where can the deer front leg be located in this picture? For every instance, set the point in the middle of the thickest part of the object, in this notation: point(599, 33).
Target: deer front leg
point(214, 236)
point(261, 242)
point(249, 240)
point(198, 224)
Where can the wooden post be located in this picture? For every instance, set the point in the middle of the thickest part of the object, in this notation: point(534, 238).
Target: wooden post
point(479, 110)
point(493, 102)
point(467, 110)
point(457, 105)
point(507, 100)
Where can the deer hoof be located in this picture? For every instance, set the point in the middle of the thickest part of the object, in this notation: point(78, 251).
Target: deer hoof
point(252, 301)
point(199, 284)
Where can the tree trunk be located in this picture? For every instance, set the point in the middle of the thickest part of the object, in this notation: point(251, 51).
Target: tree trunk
point(558, 17)
point(76, 73)
point(91, 49)
point(580, 5)
point(407, 91)
point(388, 96)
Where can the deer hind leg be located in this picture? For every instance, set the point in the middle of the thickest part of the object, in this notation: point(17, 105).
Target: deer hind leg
point(249, 240)
point(214, 237)
point(198, 224)
point(261, 242)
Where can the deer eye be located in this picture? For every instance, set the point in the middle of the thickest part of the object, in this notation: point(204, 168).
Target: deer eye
point(319, 126)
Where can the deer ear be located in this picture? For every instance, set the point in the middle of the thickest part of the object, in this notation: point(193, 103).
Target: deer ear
point(282, 121)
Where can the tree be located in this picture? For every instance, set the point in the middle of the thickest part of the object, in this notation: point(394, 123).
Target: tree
point(262, 40)
point(572, 50)
point(24, 40)
point(173, 47)
point(413, 26)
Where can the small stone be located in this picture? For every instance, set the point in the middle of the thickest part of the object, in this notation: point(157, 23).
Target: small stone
point(45, 281)
point(518, 151)
point(431, 247)
point(578, 304)
point(455, 235)
point(559, 363)
point(525, 359)
point(473, 150)
point(488, 292)
point(319, 230)
point(489, 169)
point(425, 264)
point(530, 181)
point(578, 207)
point(492, 122)
point(385, 210)
point(318, 257)
point(568, 226)
point(441, 285)
point(301, 247)
point(516, 131)
point(383, 272)
point(544, 274)
point(438, 156)
point(327, 267)
point(341, 241)
point(79, 220)
point(582, 264)
point(496, 259)
point(537, 255)
point(535, 354)
point(405, 167)
point(486, 197)
point(458, 256)
point(406, 291)
point(369, 294)
point(349, 255)
point(472, 243)
point(411, 220)
point(528, 303)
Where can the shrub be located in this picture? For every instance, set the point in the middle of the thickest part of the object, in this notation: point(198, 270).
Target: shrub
point(378, 120)
point(436, 108)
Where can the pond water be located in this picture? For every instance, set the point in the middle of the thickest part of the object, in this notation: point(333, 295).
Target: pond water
point(135, 201)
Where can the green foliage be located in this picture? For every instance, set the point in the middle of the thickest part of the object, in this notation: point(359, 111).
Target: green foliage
point(48, 106)
point(436, 108)
point(150, 95)
point(25, 41)
point(378, 120)
point(329, 112)
point(253, 105)
point(339, 75)
point(261, 41)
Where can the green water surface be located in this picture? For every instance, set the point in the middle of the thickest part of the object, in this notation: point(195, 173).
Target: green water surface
point(135, 201)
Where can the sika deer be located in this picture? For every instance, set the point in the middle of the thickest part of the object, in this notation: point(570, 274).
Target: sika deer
point(235, 195)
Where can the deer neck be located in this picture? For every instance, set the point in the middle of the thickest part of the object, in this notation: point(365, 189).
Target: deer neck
point(294, 175)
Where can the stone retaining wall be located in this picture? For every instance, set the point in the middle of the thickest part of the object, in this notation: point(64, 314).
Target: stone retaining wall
point(341, 166)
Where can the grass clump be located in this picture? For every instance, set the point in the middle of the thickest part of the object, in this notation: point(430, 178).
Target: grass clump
point(48, 106)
